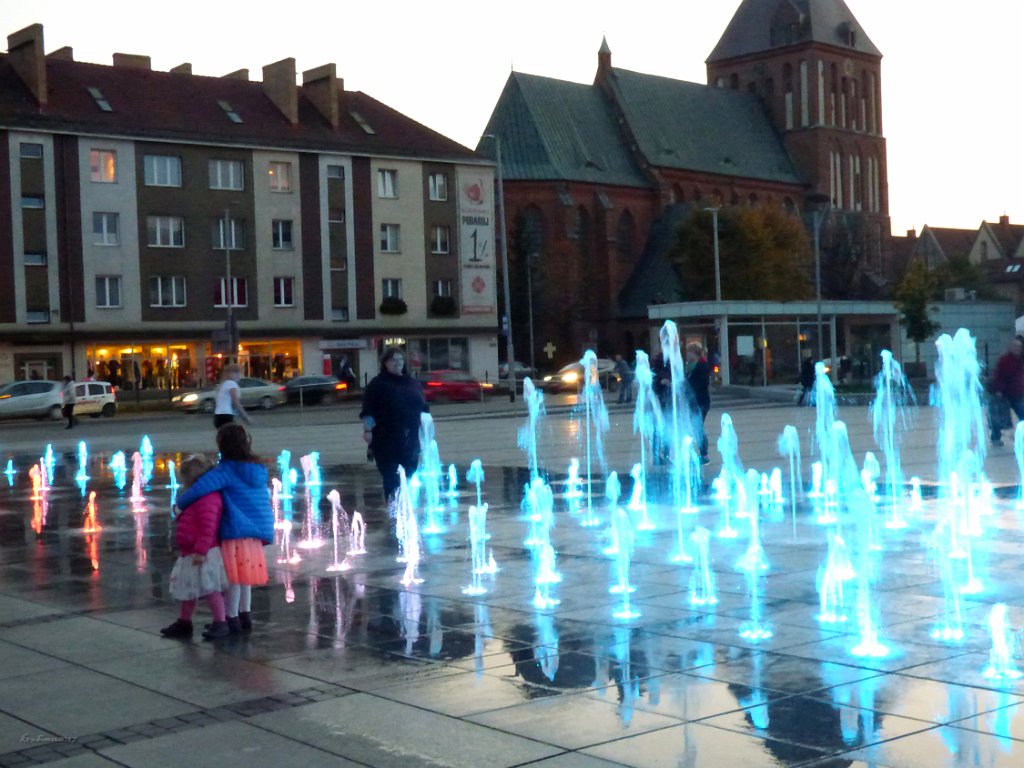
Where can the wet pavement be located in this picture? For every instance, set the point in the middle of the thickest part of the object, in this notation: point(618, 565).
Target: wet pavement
point(352, 668)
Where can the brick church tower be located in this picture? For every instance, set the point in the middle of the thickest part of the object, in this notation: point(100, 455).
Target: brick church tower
point(818, 76)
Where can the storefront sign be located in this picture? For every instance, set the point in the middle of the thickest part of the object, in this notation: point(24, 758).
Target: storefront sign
point(342, 344)
point(476, 241)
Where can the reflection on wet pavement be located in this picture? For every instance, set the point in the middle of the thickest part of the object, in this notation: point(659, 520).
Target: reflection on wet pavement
point(339, 656)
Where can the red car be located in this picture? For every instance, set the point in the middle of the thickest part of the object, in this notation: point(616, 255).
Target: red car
point(453, 386)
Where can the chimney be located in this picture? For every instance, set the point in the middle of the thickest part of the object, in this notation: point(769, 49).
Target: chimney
point(1004, 220)
point(25, 52)
point(238, 74)
point(321, 87)
point(279, 85)
point(67, 53)
point(182, 69)
point(911, 234)
point(132, 61)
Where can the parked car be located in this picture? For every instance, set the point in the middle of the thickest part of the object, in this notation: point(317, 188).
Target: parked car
point(40, 399)
point(522, 370)
point(570, 377)
point(95, 399)
point(254, 393)
point(314, 388)
point(453, 386)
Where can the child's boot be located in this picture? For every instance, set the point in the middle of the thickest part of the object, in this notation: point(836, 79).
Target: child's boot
point(245, 621)
point(179, 629)
point(217, 630)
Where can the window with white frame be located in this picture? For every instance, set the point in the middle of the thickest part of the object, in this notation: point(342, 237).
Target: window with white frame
point(33, 201)
point(387, 182)
point(282, 234)
point(37, 316)
point(280, 177)
point(389, 238)
point(284, 291)
point(105, 228)
point(437, 186)
point(165, 231)
point(162, 170)
point(35, 258)
point(239, 292)
point(439, 239)
point(442, 287)
point(108, 291)
point(31, 151)
point(335, 215)
point(103, 165)
point(228, 233)
point(336, 172)
point(391, 287)
point(227, 174)
point(167, 291)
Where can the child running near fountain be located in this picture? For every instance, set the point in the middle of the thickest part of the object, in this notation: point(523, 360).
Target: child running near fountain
point(246, 525)
point(199, 570)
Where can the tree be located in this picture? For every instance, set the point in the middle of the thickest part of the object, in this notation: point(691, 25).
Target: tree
point(959, 272)
point(912, 299)
point(764, 254)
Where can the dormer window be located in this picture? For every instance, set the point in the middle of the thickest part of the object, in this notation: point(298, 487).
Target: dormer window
point(229, 111)
point(100, 100)
point(367, 128)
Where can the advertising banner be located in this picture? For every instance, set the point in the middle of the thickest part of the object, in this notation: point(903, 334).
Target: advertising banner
point(476, 241)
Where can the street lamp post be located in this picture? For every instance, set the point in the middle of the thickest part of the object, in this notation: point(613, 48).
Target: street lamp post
point(509, 346)
point(822, 205)
point(723, 322)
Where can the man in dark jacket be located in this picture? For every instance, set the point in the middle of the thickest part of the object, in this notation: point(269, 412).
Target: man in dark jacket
point(699, 379)
point(1007, 386)
point(392, 405)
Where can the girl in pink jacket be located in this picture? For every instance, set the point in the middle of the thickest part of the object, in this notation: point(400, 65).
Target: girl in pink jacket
point(199, 570)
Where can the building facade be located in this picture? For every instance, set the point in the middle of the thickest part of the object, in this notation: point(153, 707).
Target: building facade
point(153, 214)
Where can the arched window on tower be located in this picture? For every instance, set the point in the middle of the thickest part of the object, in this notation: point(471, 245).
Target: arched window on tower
point(854, 105)
point(787, 89)
point(805, 100)
point(582, 233)
point(833, 94)
point(531, 233)
point(857, 183)
point(864, 86)
point(844, 94)
point(625, 238)
point(875, 106)
point(734, 81)
point(821, 92)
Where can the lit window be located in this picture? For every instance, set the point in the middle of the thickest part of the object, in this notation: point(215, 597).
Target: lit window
point(362, 123)
point(282, 234)
point(231, 236)
point(166, 291)
point(389, 238)
point(103, 165)
point(280, 177)
point(162, 171)
point(284, 291)
point(165, 231)
point(35, 258)
point(37, 316)
point(31, 151)
point(439, 239)
point(33, 201)
point(229, 111)
point(387, 183)
point(442, 287)
point(391, 288)
point(336, 172)
point(100, 100)
point(105, 229)
point(239, 292)
point(226, 174)
point(339, 314)
point(108, 291)
point(437, 184)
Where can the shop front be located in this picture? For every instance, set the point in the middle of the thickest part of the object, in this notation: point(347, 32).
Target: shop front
point(147, 365)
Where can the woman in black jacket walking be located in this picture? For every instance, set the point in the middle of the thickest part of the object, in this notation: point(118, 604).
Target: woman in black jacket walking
point(699, 379)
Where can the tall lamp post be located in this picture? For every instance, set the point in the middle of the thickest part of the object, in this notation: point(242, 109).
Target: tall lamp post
point(723, 322)
point(821, 205)
point(509, 346)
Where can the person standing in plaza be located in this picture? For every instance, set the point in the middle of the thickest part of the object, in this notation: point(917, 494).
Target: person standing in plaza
point(699, 379)
point(68, 409)
point(625, 374)
point(228, 403)
point(1007, 390)
point(392, 405)
point(806, 381)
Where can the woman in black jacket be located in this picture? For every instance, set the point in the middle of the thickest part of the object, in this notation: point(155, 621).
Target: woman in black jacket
point(699, 379)
point(392, 404)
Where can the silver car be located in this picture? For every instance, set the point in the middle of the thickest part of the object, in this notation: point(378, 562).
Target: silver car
point(41, 399)
point(254, 393)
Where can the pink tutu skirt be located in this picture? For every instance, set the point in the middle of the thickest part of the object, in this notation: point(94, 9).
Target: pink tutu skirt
point(245, 562)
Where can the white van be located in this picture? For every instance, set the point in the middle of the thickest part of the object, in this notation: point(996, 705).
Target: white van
point(95, 399)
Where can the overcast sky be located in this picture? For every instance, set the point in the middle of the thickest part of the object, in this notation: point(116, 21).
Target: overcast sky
point(953, 106)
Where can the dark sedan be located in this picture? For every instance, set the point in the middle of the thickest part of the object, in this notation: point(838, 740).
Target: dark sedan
point(314, 388)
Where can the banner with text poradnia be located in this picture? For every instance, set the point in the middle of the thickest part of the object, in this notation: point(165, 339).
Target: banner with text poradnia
point(476, 240)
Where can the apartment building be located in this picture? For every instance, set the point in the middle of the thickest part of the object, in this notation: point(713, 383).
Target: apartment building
point(148, 208)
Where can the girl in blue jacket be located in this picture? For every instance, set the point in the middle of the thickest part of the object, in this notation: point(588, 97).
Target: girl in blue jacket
point(246, 524)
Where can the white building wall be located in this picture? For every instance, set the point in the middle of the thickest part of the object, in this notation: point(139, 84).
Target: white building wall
point(272, 263)
point(409, 265)
point(121, 259)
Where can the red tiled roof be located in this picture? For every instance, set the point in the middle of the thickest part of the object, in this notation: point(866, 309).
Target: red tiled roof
point(181, 107)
